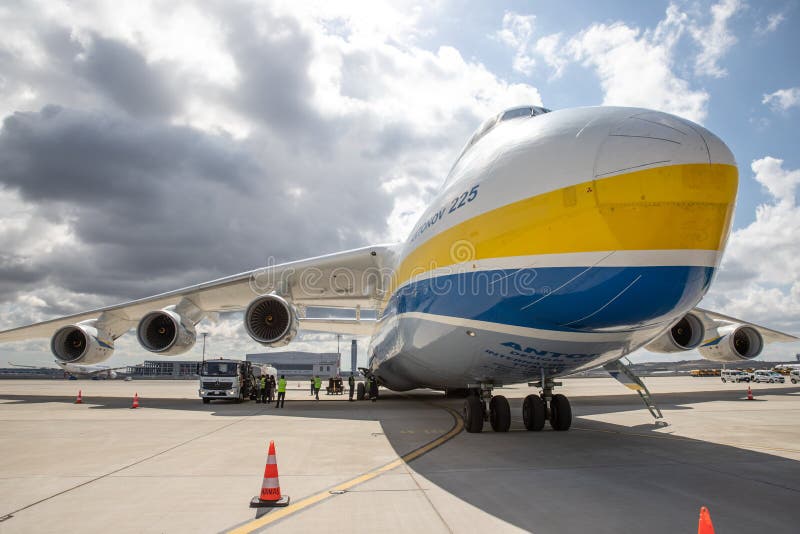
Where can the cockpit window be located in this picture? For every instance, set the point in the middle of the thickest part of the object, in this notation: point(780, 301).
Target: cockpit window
point(516, 112)
point(489, 124)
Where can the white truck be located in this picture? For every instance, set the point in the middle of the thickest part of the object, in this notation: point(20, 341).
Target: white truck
point(228, 379)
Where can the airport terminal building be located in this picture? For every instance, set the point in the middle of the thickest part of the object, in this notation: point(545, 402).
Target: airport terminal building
point(295, 364)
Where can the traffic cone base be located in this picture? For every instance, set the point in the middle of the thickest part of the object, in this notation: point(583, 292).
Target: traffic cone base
point(256, 502)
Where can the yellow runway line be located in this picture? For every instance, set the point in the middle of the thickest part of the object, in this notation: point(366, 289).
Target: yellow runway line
point(281, 513)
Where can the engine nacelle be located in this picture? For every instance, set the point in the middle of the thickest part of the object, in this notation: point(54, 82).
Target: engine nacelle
point(741, 343)
point(687, 334)
point(271, 320)
point(80, 343)
point(166, 332)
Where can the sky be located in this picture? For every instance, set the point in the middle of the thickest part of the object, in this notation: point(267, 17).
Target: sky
point(150, 145)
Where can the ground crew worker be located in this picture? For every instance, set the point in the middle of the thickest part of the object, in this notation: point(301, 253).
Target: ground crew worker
point(281, 392)
point(373, 389)
point(352, 383)
point(270, 389)
point(264, 383)
point(317, 385)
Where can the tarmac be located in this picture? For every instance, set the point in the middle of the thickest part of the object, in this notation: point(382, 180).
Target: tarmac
point(401, 464)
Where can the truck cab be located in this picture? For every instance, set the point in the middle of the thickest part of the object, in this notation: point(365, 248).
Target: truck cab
point(227, 379)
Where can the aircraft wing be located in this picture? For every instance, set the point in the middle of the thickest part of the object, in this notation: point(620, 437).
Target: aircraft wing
point(12, 364)
point(712, 319)
point(105, 370)
point(351, 279)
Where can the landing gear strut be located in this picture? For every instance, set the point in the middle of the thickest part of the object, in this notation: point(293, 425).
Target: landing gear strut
point(481, 406)
point(555, 408)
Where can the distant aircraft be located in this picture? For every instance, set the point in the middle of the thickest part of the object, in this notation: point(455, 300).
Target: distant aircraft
point(560, 241)
point(75, 369)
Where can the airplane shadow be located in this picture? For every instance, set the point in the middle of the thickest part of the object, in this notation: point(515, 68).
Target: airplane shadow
point(598, 477)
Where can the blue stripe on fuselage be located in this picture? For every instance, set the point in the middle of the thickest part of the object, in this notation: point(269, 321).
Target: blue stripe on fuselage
point(557, 298)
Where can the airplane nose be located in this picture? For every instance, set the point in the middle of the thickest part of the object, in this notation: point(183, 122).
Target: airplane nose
point(664, 183)
point(664, 191)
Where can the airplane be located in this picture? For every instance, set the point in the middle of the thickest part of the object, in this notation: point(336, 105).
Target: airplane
point(560, 241)
point(75, 369)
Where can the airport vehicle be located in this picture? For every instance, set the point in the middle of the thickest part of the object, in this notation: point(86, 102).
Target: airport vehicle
point(768, 376)
point(734, 375)
point(560, 241)
point(794, 376)
point(229, 380)
point(74, 370)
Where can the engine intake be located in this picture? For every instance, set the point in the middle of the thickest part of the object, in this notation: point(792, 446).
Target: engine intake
point(742, 343)
point(166, 332)
point(271, 321)
point(81, 343)
point(687, 334)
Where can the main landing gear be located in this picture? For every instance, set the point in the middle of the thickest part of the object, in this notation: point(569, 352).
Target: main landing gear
point(480, 406)
point(554, 408)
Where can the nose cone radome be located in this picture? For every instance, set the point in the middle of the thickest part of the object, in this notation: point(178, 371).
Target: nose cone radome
point(663, 183)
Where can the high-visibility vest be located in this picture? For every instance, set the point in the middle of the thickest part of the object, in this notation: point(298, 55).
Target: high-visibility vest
point(282, 385)
point(351, 381)
point(317, 382)
point(263, 382)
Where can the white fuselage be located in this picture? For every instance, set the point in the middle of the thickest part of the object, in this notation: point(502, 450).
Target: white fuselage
point(76, 369)
point(559, 242)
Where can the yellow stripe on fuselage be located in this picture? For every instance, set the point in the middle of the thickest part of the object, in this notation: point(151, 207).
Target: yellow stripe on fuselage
point(679, 207)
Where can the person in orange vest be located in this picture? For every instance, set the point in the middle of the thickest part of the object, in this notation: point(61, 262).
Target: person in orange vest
point(281, 392)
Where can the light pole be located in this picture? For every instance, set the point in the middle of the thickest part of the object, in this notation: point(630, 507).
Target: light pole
point(204, 334)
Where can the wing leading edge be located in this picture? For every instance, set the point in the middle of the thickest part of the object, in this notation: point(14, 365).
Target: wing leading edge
point(351, 279)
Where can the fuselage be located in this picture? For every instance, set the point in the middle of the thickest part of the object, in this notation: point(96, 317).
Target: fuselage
point(77, 369)
point(558, 242)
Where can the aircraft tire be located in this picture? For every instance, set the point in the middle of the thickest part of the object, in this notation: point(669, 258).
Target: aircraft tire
point(534, 413)
point(473, 414)
point(360, 391)
point(499, 414)
point(560, 413)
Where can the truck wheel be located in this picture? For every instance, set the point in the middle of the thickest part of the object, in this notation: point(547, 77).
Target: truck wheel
point(206, 400)
point(723, 380)
point(360, 391)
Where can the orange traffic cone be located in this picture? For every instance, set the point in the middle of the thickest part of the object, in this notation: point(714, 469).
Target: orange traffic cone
point(135, 401)
point(270, 489)
point(705, 526)
point(749, 393)
point(79, 400)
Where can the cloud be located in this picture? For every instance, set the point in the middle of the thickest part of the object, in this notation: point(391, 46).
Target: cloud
point(139, 163)
point(636, 68)
point(516, 33)
point(715, 39)
point(760, 277)
point(773, 21)
point(783, 99)
point(122, 73)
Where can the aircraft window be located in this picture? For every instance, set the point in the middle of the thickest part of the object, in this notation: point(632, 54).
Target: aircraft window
point(516, 112)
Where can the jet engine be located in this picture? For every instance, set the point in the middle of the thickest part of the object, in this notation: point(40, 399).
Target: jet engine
point(81, 343)
point(741, 343)
point(687, 334)
point(271, 320)
point(166, 332)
